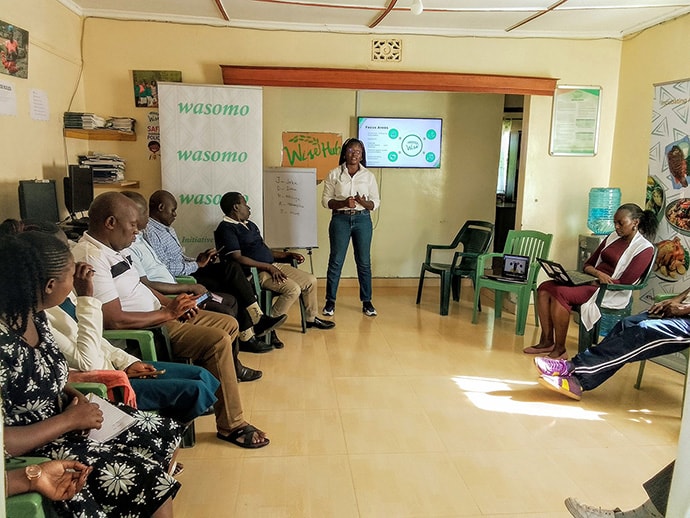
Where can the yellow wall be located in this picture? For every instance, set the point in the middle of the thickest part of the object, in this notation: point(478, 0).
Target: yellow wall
point(555, 188)
point(654, 56)
point(434, 202)
point(559, 185)
point(35, 149)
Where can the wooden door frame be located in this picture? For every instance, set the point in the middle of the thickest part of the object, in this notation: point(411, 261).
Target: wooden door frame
point(355, 79)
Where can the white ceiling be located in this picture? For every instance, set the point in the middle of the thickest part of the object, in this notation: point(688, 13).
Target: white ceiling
point(553, 18)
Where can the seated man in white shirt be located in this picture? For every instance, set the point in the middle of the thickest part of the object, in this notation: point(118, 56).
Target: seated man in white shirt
point(203, 336)
point(183, 392)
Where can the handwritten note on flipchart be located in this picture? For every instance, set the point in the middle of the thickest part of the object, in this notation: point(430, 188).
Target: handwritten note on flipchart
point(290, 207)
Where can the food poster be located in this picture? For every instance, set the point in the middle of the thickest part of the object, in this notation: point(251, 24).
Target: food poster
point(668, 193)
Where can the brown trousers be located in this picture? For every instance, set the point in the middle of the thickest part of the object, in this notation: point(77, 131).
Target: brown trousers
point(298, 284)
point(207, 340)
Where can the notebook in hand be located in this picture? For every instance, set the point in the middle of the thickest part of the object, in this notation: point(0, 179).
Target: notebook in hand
point(562, 276)
point(115, 421)
point(514, 268)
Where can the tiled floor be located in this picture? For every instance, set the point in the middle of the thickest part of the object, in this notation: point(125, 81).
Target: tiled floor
point(413, 414)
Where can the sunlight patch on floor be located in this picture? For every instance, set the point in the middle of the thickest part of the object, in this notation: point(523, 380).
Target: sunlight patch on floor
point(479, 392)
point(641, 417)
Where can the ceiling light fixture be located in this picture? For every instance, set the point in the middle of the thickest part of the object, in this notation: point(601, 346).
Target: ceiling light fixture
point(417, 7)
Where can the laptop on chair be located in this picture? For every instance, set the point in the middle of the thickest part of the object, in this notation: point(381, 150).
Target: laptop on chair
point(558, 273)
point(514, 268)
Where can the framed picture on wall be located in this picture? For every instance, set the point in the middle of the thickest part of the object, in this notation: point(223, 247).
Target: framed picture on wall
point(575, 121)
point(14, 50)
point(146, 85)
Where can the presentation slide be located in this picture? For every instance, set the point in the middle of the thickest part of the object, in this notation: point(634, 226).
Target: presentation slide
point(403, 143)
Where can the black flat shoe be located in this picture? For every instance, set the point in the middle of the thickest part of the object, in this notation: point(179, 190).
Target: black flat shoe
point(266, 324)
point(276, 342)
point(321, 324)
point(246, 433)
point(253, 345)
point(247, 374)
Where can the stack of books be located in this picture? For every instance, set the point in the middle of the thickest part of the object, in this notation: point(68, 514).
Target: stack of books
point(124, 124)
point(106, 168)
point(82, 120)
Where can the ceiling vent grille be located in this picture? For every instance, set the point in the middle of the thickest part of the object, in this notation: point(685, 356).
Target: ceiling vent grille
point(386, 50)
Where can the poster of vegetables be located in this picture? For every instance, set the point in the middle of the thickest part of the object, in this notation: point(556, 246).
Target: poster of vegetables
point(668, 194)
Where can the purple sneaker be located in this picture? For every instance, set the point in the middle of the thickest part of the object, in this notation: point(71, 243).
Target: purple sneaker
point(566, 385)
point(550, 367)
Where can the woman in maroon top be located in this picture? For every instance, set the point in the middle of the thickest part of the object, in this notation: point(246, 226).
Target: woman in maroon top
point(622, 258)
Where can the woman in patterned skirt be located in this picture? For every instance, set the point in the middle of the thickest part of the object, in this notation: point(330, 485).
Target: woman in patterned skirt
point(44, 417)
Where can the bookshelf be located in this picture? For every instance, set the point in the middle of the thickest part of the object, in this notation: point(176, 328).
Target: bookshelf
point(99, 134)
point(125, 184)
point(105, 134)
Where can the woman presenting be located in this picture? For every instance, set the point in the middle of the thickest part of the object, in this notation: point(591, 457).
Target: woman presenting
point(350, 191)
point(622, 258)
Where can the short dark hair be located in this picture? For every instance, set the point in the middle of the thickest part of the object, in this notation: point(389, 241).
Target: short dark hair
point(229, 200)
point(137, 198)
point(158, 198)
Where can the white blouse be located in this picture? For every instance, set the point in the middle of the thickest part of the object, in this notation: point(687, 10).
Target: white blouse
point(339, 185)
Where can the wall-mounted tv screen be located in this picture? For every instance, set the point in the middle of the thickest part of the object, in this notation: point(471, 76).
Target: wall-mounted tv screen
point(399, 142)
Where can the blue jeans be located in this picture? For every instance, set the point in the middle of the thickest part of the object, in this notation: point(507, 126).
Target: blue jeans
point(341, 229)
point(633, 339)
point(183, 392)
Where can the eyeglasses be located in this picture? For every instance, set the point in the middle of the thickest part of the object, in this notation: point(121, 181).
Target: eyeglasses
point(353, 151)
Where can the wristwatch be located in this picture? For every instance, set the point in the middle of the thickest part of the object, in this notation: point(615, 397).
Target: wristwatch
point(33, 472)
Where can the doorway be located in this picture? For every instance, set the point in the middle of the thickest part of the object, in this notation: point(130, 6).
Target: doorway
point(508, 168)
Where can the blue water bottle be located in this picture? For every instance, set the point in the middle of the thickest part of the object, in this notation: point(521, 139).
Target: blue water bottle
point(603, 202)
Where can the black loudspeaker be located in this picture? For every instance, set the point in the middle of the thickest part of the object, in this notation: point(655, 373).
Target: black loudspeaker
point(78, 188)
point(38, 200)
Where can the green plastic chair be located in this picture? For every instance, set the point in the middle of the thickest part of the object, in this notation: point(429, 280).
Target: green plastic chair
point(531, 243)
point(143, 337)
point(609, 317)
point(475, 236)
point(90, 387)
point(265, 298)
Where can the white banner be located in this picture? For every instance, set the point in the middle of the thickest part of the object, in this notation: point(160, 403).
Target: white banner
point(668, 195)
point(210, 144)
point(667, 188)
